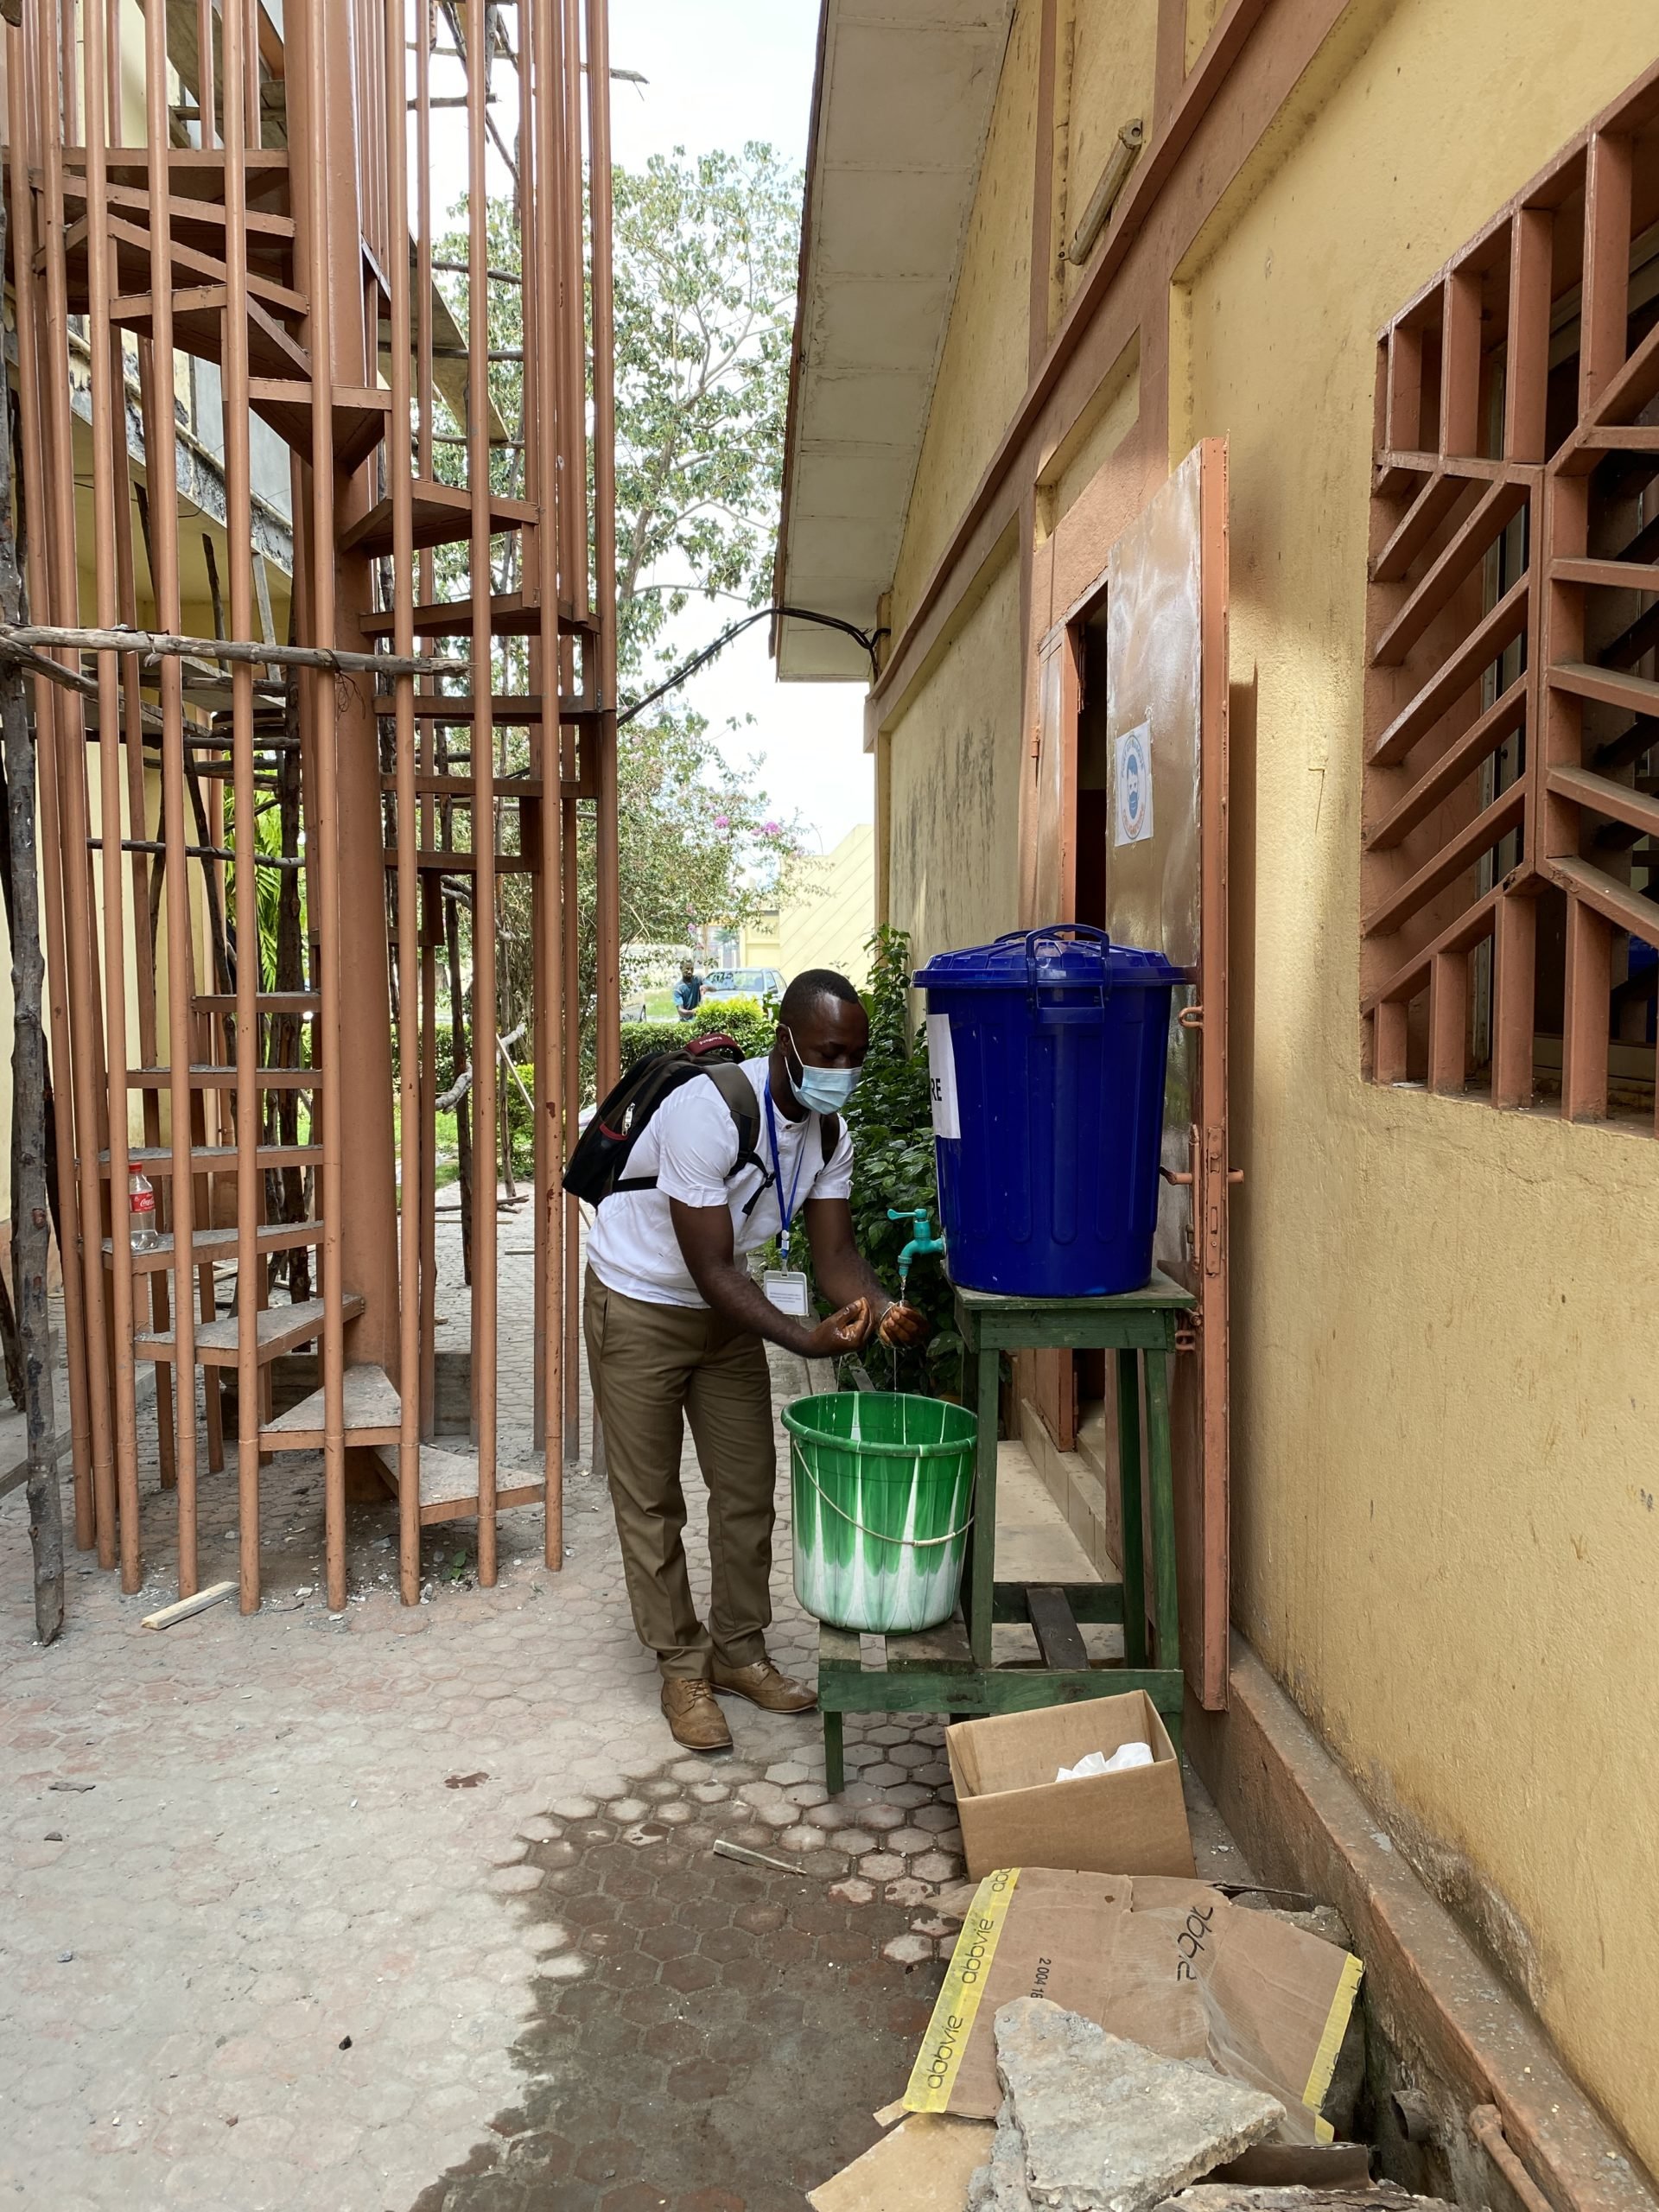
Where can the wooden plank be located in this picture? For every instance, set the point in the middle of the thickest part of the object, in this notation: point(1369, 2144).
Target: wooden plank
point(277, 1329)
point(463, 787)
point(266, 1002)
point(371, 1414)
point(1058, 1638)
point(943, 1649)
point(511, 614)
point(523, 709)
point(207, 1245)
point(838, 1647)
point(449, 1483)
point(207, 1077)
point(1093, 1602)
point(158, 1159)
point(444, 862)
point(215, 1595)
point(998, 1689)
point(443, 516)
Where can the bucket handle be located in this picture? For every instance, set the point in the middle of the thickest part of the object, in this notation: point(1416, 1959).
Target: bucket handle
point(915, 1543)
point(1088, 934)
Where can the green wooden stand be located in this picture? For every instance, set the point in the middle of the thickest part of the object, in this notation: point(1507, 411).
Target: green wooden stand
point(950, 1669)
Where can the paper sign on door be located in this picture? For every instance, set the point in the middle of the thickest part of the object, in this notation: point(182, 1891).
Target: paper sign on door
point(1133, 767)
point(942, 1075)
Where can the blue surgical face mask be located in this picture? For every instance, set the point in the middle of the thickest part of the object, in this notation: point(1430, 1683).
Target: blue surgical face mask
point(821, 1090)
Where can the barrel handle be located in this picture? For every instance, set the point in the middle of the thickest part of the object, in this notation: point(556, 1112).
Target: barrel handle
point(915, 1543)
point(1060, 929)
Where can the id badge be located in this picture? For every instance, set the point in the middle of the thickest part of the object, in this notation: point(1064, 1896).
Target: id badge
point(785, 1288)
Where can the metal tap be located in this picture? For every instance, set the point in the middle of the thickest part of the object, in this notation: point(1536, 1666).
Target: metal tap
point(924, 1240)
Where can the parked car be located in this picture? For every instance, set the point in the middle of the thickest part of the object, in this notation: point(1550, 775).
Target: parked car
point(743, 983)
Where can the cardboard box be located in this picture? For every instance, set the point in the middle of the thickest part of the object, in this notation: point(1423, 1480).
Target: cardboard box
point(1015, 1813)
point(924, 2165)
point(1169, 1964)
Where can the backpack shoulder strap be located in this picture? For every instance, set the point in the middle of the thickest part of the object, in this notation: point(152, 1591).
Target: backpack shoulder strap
point(738, 1091)
point(830, 1135)
point(735, 1089)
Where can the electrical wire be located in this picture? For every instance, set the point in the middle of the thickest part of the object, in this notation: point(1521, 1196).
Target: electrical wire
point(865, 638)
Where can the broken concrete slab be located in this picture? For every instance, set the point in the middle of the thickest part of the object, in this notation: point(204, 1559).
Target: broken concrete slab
point(1106, 2126)
point(1000, 2184)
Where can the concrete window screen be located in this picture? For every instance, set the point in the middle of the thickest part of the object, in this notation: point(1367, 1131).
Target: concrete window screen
point(1509, 872)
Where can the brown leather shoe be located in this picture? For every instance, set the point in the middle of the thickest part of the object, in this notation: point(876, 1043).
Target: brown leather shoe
point(693, 1717)
point(763, 1684)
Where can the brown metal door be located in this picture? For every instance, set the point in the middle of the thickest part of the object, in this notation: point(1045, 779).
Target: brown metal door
point(1047, 1380)
point(1166, 888)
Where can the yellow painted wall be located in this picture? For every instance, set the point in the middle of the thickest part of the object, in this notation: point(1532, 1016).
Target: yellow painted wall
point(826, 922)
point(982, 377)
point(1447, 1381)
point(1202, 17)
point(954, 757)
point(1114, 62)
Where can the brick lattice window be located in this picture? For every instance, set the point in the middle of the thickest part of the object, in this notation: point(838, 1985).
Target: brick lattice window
point(1510, 882)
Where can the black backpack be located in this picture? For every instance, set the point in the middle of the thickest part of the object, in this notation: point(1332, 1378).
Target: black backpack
point(598, 1166)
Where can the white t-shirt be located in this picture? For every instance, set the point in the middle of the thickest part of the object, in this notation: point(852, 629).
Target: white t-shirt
point(690, 1146)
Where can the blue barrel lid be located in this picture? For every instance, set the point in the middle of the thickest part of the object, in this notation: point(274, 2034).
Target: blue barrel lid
point(1064, 955)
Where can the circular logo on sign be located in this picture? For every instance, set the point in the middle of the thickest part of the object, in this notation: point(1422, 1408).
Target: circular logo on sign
point(1136, 780)
point(1135, 788)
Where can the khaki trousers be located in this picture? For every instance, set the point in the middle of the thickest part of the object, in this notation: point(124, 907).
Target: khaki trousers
point(651, 1366)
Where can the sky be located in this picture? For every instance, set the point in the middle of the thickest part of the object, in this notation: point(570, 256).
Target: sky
point(720, 72)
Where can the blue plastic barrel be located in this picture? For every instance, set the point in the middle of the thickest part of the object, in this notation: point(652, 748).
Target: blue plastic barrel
point(1047, 1052)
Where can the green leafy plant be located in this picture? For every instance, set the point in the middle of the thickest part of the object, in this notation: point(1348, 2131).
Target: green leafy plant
point(891, 1121)
point(744, 1020)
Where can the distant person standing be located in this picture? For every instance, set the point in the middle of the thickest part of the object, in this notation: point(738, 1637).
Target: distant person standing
point(687, 992)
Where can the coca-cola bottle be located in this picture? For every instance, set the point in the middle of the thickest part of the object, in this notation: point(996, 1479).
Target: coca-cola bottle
point(142, 1210)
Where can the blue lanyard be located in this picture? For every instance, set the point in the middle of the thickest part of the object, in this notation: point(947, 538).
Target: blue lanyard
point(786, 1212)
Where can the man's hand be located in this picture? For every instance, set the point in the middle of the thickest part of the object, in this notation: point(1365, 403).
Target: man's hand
point(903, 1325)
point(846, 1331)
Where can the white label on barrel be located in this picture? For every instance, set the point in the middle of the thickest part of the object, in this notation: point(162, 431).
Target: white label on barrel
point(942, 1075)
point(1134, 776)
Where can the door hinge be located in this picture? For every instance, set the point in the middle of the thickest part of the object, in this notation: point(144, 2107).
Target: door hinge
point(1214, 1179)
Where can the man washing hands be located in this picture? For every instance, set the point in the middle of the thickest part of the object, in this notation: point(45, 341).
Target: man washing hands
point(675, 1323)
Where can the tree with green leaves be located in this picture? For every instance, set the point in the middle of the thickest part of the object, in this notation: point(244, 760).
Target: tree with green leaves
point(705, 253)
point(704, 259)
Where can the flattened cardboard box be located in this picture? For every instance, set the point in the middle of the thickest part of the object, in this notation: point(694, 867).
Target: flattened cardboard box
point(1015, 1813)
point(1169, 1964)
point(924, 2165)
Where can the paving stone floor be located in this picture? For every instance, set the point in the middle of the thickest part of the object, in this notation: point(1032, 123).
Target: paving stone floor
point(406, 1907)
point(418, 1910)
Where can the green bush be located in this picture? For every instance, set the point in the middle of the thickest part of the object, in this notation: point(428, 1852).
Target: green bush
point(744, 1020)
point(891, 1122)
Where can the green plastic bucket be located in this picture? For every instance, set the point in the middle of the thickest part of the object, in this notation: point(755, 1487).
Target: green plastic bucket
point(883, 1486)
